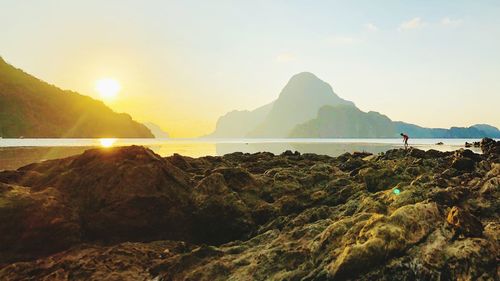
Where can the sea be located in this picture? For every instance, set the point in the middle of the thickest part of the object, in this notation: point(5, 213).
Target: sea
point(15, 153)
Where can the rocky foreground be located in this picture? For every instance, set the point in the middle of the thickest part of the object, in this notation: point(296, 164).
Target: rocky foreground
point(129, 214)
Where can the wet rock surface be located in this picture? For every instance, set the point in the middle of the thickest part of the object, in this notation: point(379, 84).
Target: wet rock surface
point(129, 214)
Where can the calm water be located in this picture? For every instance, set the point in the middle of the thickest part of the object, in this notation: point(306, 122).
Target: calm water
point(15, 153)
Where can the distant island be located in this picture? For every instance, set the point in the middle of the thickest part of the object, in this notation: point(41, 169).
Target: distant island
point(307, 107)
point(156, 130)
point(35, 109)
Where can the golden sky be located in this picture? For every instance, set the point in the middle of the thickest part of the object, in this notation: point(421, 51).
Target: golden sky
point(182, 64)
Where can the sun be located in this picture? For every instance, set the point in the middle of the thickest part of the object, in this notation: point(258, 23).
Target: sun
point(107, 142)
point(108, 88)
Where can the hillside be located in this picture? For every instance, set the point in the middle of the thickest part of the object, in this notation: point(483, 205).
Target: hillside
point(346, 122)
point(238, 123)
point(299, 101)
point(307, 107)
point(156, 130)
point(350, 122)
point(33, 108)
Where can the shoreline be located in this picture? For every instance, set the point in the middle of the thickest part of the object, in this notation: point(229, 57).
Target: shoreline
point(13, 157)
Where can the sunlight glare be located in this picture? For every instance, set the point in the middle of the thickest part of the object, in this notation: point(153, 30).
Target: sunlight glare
point(107, 142)
point(107, 88)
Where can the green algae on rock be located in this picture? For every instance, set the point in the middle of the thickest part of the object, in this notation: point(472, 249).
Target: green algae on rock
point(129, 214)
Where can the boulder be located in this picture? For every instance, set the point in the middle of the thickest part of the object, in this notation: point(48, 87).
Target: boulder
point(35, 223)
point(463, 164)
point(219, 213)
point(378, 179)
point(490, 147)
point(464, 222)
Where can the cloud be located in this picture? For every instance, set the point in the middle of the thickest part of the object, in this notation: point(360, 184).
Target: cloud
point(285, 57)
point(414, 23)
point(451, 22)
point(371, 27)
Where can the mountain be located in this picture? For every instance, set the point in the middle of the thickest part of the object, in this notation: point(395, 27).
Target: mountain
point(350, 122)
point(156, 130)
point(345, 122)
point(307, 107)
point(299, 101)
point(33, 108)
point(453, 132)
point(238, 123)
point(492, 131)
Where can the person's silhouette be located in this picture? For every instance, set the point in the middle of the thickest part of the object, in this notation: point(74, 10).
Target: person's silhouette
point(405, 139)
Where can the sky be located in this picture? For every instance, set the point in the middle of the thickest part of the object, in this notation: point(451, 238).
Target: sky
point(182, 64)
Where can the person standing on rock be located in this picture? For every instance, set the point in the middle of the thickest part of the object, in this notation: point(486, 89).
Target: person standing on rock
point(405, 139)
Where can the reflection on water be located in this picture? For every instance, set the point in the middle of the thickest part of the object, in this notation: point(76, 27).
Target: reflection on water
point(107, 142)
point(187, 149)
point(15, 153)
point(13, 158)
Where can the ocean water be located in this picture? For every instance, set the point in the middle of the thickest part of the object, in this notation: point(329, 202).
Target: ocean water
point(15, 153)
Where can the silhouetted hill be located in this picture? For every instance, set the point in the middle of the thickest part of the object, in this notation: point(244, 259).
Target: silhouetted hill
point(350, 122)
point(492, 131)
point(156, 130)
point(238, 123)
point(30, 107)
point(346, 122)
point(298, 102)
point(307, 107)
point(453, 132)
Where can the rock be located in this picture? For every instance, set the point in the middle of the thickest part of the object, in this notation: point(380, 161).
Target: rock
point(109, 195)
point(466, 153)
point(449, 173)
point(128, 214)
point(432, 153)
point(383, 237)
point(361, 154)
point(35, 223)
point(463, 164)
point(464, 222)
point(290, 153)
point(220, 214)
point(237, 178)
point(351, 164)
point(378, 179)
point(450, 195)
point(439, 143)
point(179, 161)
point(126, 261)
point(417, 153)
point(490, 147)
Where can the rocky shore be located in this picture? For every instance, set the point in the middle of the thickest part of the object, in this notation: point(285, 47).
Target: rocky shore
point(129, 214)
